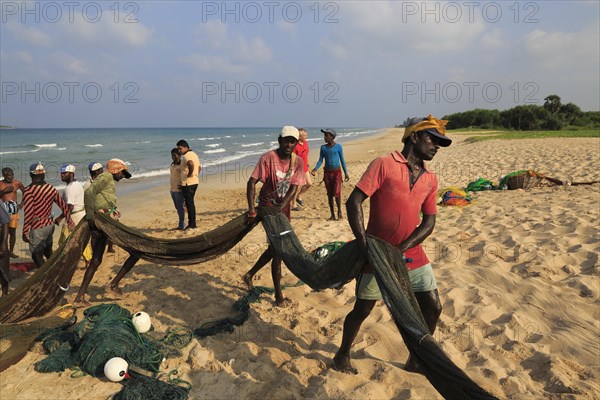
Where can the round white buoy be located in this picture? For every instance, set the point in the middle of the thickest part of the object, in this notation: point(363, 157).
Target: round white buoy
point(115, 369)
point(142, 322)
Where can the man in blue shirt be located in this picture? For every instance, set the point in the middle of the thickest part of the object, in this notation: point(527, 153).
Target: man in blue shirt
point(333, 154)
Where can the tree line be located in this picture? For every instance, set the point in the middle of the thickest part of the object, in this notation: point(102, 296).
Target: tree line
point(553, 115)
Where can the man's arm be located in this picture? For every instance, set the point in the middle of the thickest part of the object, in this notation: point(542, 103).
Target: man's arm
point(4, 244)
point(61, 216)
point(288, 196)
point(355, 216)
point(343, 162)
point(21, 187)
point(321, 157)
point(250, 195)
point(190, 165)
point(66, 208)
point(26, 220)
point(419, 234)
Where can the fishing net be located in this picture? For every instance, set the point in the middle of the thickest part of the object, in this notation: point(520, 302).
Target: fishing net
point(394, 283)
point(42, 291)
point(193, 250)
point(16, 339)
point(107, 331)
point(332, 271)
point(242, 312)
point(141, 387)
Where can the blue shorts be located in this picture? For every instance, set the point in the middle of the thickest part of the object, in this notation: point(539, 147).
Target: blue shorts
point(421, 280)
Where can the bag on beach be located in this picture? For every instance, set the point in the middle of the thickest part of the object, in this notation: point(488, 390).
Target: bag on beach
point(454, 196)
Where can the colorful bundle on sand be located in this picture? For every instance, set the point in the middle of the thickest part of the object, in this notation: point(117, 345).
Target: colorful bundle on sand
point(454, 196)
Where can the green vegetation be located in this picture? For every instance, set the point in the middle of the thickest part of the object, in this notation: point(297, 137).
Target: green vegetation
point(483, 135)
point(552, 116)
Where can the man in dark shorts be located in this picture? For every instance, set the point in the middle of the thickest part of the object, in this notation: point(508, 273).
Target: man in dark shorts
point(400, 187)
point(281, 173)
point(101, 196)
point(333, 154)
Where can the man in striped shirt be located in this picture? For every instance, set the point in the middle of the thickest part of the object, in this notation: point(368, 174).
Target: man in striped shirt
point(38, 226)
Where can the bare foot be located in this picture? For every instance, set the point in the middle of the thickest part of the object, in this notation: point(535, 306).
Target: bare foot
point(13, 255)
point(340, 216)
point(283, 302)
point(413, 366)
point(342, 364)
point(332, 218)
point(79, 301)
point(114, 289)
point(110, 250)
point(248, 280)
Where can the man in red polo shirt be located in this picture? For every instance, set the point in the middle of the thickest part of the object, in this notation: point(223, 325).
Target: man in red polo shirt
point(399, 186)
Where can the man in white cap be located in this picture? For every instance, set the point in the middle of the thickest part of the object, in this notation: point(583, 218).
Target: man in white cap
point(280, 172)
point(95, 169)
point(101, 196)
point(38, 224)
point(73, 194)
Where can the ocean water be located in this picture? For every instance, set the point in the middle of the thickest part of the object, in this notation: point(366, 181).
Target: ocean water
point(147, 151)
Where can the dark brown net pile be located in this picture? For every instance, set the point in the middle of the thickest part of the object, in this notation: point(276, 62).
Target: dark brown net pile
point(42, 291)
point(16, 339)
point(192, 250)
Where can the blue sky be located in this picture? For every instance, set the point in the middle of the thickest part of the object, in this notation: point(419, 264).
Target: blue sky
point(271, 63)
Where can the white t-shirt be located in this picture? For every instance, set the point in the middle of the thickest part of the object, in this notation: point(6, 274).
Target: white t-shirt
point(74, 195)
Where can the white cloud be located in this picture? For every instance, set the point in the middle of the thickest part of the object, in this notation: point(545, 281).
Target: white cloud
point(214, 63)
point(254, 50)
point(456, 74)
point(336, 50)
point(70, 64)
point(213, 33)
point(390, 24)
point(107, 32)
point(287, 27)
point(24, 57)
point(575, 52)
point(226, 52)
point(29, 34)
point(493, 39)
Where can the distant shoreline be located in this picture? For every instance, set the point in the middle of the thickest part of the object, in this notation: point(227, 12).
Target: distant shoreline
point(220, 177)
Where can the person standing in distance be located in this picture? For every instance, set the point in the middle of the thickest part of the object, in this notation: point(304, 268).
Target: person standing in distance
point(190, 169)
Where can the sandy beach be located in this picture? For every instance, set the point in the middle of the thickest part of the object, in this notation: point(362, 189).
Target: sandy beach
point(517, 274)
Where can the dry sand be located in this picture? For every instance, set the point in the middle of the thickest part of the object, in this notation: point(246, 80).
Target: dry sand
point(517, 271)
